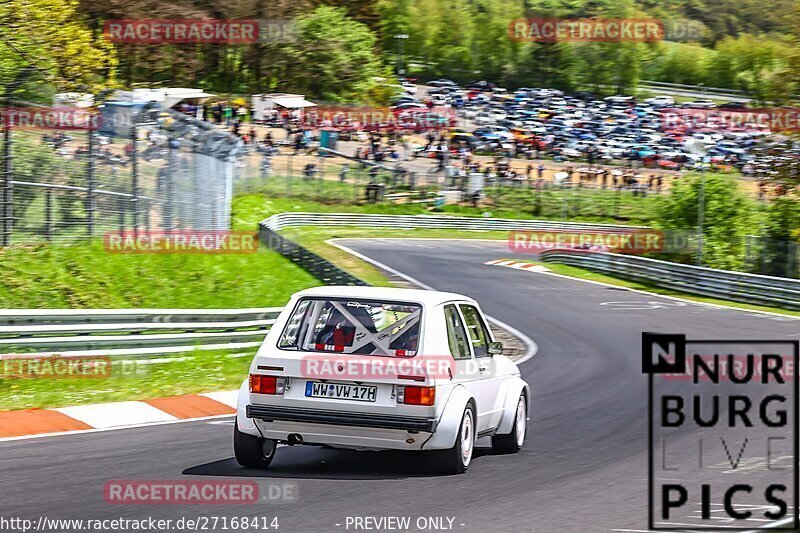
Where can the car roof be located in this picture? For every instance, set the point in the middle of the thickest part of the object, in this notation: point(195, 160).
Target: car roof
point(428, 298)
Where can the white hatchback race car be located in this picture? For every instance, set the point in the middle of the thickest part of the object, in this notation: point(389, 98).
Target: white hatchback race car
point(381, 369)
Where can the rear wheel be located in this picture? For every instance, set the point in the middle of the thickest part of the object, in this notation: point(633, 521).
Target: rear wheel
point(457, 459)
point(251, 451)
point(512, 442)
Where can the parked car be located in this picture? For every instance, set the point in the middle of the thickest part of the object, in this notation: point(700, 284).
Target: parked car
point(381, 368)
point(661, 100)
point(700, 104)
point(442, 82)
point(410, 88)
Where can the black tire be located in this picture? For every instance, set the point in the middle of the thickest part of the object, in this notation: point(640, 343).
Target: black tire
point(251, 451)
point(453, 461)
point(512, 442)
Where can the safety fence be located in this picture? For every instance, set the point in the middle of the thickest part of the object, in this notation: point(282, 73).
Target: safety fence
point(320, 268)
point(331, 274)
point(168, 172)
point(724, 284)
point(285, 220)
point(130, 332)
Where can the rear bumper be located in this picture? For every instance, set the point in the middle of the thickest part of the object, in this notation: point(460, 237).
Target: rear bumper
point(338, 418)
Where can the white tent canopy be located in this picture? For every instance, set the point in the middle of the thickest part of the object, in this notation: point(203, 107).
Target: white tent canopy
point(266, 104)
point(285, 100)
point(168, 97)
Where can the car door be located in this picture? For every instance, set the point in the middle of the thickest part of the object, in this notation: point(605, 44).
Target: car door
point(466, 366)
point(487, 380)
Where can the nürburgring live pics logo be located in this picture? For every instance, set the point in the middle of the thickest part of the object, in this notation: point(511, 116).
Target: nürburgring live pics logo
point(722, 433)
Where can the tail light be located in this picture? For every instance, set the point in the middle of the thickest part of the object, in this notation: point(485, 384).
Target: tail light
point(412, 395)
point(260, 384)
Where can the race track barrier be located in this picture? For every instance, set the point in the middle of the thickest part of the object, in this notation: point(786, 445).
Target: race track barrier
point(131, 332)
point(724, 284)
point(331, 274)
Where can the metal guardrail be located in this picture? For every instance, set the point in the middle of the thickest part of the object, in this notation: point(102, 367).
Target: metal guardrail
point(331, 274)
point(320, 268)
point(286, 220)
point(724, 284)
point(131, 331)
point(721, 91)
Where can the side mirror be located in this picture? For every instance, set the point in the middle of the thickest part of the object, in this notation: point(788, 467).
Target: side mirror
point(495, 348)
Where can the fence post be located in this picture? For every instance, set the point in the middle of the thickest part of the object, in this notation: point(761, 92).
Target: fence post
point(121, 205)
point(289, 176)
point(321, 175)
point(90, 185)
point(7, 192)
point(134, 179)
point(48, 214)
point(197, 212)
point(172, 163)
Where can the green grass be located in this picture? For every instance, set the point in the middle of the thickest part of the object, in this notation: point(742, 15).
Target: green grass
point(194, 372)
point(314, 238)
point(578, 205)
point(86, 276)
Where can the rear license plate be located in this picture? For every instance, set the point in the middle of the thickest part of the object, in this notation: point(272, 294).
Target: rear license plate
point(359, 393)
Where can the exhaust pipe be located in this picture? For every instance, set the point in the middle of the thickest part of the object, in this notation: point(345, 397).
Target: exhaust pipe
point(295, 438)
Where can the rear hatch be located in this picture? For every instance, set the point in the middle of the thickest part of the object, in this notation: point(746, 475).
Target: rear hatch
point(347, 355)
point(344, 382)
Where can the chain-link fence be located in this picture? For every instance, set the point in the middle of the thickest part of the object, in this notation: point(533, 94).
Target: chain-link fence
point(168, 172)
point(329, 176)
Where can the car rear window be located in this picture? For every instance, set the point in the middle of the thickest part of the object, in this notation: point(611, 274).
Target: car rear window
point(366, 327)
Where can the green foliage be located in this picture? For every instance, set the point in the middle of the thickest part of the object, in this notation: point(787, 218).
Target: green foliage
point(783, 221)
point(782, 233)
point(50, 36)
point(728, 216)
point(334, 56)
point(680, 63)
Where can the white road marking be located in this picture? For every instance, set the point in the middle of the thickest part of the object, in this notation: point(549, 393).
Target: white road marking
point(641, 306)
point(531, 347)
point(227, 397)
point(116, 428)
point(105, 415)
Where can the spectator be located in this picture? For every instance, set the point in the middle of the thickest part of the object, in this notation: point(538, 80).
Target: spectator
point(227, 114)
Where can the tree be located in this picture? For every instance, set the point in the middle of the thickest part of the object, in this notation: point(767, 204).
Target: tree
point(680, 63)
point(727, 217)
point(334, 57)
point(49, 36)
point(781, 236)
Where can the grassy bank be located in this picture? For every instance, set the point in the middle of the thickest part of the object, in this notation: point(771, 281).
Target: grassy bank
point(86, 276)
point(575, 205)
point(139, 379)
